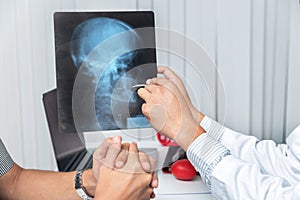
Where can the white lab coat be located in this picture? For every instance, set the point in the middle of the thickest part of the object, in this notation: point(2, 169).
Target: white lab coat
point(258, 169)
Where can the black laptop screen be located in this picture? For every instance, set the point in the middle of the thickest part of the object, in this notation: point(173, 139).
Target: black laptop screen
point(64, 144)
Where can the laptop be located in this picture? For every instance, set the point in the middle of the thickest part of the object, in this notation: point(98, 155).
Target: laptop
point(69, 148)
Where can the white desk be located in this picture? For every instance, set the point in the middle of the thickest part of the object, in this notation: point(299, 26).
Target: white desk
point(171, 188)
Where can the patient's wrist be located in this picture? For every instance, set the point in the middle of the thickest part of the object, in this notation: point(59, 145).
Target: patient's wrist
point(89, 182)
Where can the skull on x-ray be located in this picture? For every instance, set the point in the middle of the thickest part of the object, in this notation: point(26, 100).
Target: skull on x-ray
point(111, 67)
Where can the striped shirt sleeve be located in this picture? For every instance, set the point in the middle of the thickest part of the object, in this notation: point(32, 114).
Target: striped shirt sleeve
point(205, 153)
point(6, 161)
point(213, 128)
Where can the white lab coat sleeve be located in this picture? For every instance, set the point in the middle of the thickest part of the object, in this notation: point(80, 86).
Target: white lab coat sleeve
point(274, 159)
point(231, 178)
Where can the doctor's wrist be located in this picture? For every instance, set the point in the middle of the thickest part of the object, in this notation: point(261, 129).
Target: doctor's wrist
point(199, 117)
point(187, 136)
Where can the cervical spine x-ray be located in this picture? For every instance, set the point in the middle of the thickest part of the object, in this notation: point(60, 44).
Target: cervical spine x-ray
point(98, 60)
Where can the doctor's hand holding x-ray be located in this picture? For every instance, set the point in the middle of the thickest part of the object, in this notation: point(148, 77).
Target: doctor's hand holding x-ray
point(233, 165)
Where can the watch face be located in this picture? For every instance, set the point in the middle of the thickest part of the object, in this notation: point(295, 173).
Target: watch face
point(82, 194)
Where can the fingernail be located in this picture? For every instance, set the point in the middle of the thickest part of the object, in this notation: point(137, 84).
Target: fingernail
point(148, 81)
point(119, 164)
point(116, 139)
point(154, 183)
point(146, 166)
point(135, 144)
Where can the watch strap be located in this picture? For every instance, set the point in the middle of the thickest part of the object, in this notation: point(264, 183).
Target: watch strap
point(79, 186)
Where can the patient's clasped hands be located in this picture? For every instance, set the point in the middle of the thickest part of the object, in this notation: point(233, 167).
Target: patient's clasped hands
point(130, 172)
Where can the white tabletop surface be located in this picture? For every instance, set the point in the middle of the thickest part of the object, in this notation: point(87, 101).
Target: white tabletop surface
point(171, 188)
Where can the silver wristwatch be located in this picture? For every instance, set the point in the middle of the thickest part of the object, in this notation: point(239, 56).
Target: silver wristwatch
point(79, 187)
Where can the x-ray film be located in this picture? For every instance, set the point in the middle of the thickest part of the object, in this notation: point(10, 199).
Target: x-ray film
point(100, 58)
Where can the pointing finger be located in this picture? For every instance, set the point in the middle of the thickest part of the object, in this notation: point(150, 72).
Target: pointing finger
point(143, 93)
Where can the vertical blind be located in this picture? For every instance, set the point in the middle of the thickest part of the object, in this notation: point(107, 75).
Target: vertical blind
point(255, 45)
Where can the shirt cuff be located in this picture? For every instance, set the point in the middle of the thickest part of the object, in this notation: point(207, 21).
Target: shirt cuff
point(205, 153)
point(213, 128)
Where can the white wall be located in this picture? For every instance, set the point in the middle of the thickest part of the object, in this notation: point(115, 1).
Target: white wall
point(254, 43)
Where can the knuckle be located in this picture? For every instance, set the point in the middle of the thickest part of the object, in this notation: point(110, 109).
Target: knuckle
point(158, 90)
